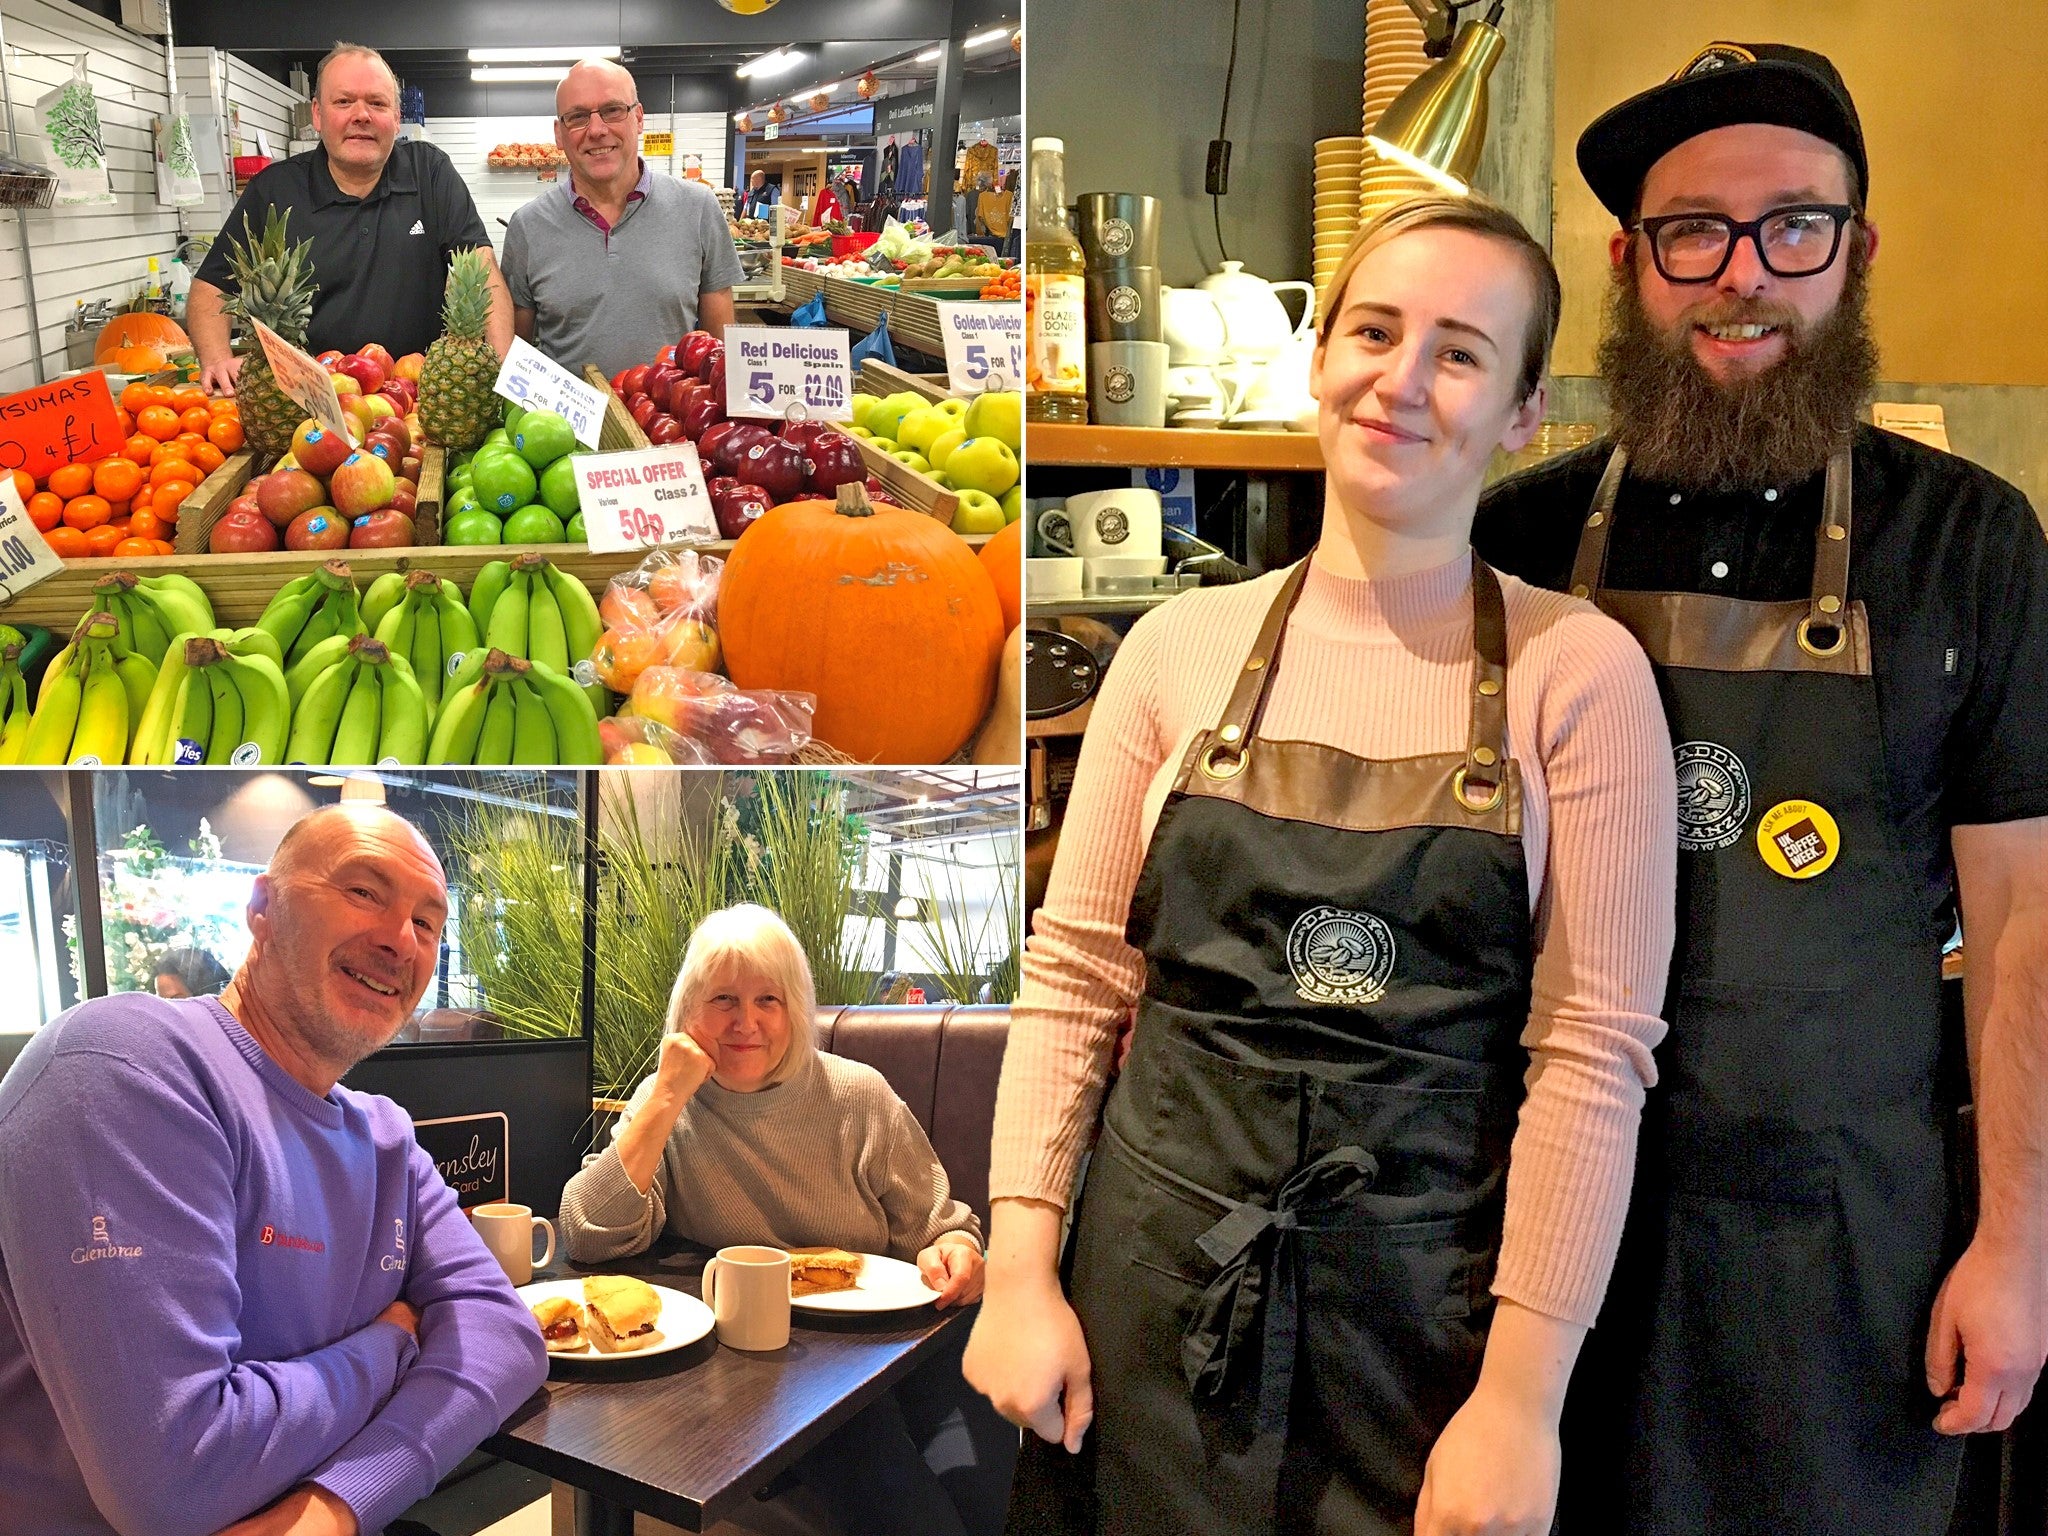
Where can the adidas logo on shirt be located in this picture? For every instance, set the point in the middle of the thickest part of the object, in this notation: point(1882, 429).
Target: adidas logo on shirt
point(419, 227)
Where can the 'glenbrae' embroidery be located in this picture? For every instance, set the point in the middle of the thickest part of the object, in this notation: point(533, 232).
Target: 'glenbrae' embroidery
point(103, 1246)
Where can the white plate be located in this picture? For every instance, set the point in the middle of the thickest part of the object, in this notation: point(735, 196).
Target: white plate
point(684, 1320)
point(885, 1285)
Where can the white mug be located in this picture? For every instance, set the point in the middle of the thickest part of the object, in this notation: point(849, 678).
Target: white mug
point(747, 1290)
point(1197, 389)
point(1124, 520)
point(507, 1230)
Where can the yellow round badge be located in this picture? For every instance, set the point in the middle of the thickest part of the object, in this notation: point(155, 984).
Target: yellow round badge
point(1798, 839)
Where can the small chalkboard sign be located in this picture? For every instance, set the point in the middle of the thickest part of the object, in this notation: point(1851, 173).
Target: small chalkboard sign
point(471, 1152)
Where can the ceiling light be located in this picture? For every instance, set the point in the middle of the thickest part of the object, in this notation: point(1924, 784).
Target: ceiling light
point(363, 789)
point(780, 62)
point(906, 907)
point(538, 55)
point(983, 39)
point(929, 55)
point(549, 73)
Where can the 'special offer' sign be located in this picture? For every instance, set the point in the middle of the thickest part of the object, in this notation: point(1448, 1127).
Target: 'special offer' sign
point(470, 1151)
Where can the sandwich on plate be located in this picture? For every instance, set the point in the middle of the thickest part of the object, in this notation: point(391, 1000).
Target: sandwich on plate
point(620, 1313)
point(561, 1324)
point(813, 1271)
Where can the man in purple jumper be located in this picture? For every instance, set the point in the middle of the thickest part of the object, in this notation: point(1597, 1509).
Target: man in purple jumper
point(234, 1296)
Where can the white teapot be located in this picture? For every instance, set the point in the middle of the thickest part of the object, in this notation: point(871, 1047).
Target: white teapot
point(1255, 322)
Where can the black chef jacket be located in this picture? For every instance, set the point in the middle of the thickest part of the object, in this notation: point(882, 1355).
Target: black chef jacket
point(1948, 559)
point(381, 261)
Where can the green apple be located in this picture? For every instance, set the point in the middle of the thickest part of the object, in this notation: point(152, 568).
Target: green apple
point(1013, 503)
point(574, 532)
point(858, 432)
point(473, 527)
point(998, 414)
point(863, 406)
point(887, 415)
point(954, 407)
point(978, 513)
point(939, 477)
point(916, 461)
point(534, 525)
point(979, 464)
point(941, 446)
point(919, 428)
point(886, 444)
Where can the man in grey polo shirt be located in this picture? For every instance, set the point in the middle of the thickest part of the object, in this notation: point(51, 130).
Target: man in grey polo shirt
point(615, 262)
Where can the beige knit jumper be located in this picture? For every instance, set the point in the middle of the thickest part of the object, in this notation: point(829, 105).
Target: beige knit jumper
point(1383, 669)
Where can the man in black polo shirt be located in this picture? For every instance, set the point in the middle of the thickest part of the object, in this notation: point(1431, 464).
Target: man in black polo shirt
point(1851, 635)
point(384, 215)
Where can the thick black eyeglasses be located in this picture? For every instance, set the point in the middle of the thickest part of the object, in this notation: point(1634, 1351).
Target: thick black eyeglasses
point(1799, 241)
point(612, 113)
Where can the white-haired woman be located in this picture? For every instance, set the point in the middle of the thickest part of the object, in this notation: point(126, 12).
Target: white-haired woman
point(747, 1133)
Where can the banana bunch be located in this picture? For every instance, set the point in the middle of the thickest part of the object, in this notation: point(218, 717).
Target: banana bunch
point(85, 707)
point(313, 608)
point(530, 607)
point(151, 611)
point(362, 707)
point(505, 710)
point(15, 710)
point(422, 619)
point(219, 699)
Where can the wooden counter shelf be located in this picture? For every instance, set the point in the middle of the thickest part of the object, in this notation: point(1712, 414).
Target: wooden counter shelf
point(1173, 448)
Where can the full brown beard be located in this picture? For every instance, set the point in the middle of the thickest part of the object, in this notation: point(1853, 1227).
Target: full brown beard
point(1683, 428)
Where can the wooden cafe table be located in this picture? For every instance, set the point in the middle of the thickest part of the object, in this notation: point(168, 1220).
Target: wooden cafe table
point(691, 1435)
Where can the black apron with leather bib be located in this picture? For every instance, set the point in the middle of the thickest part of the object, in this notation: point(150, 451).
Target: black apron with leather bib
point(1283, 1251)
point(1758, 1365)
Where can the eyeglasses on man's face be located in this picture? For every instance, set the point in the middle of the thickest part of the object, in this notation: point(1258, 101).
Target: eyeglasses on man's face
point(1798, 241)
point(612, 113)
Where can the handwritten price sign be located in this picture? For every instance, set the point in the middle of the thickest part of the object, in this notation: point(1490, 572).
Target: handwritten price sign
point(984, 345)
point(532, 379)
point(69, 422)
point(24, 558)
point(768, 370)
point(304, 381)
point(636, 500)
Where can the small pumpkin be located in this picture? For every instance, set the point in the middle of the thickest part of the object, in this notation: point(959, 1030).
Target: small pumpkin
point(139, 329)
point(1003, 556)
point(884, 614)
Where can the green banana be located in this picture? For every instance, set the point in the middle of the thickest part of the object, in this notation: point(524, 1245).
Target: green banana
point(402, 737)
point(507, 628)
point(458, 725)
point(494, 745)
point(138, 676)
point(399, 622)
point(48, 741)
point(300, 674)
point(533, 731)
point(226, 735)
point(178, 601)
point(252, 642)
point(317, 713)
point(546, 640)
point(381, 596)
point(286, 613)
point(115, 605)
point(151, 637)
point(459, 634)
point(152, 727)
point(580, 619)
point(485, 591)
point(355, 736)
point(102, 734)
point(15, 712)
point(576, 739)
point(320, 625)
point(428, 665)
point(266, 704)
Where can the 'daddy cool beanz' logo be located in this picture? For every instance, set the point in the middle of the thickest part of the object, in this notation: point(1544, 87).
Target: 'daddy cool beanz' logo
point(1340, 958)
point(1713, 796)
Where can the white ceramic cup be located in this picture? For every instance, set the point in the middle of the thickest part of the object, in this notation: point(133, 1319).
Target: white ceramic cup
point(1048, 580)
point(507, 1230)
point(1124, 520)
point(747, 1290)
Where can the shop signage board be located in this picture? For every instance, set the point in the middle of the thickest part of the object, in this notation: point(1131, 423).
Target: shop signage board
point(788, 372)
point(304, 381)
point(984, 345)
point(24, 558)
point(472, 1152)
point(532, 379)
point(637, 500)
point(907, 113)
point(68, 421)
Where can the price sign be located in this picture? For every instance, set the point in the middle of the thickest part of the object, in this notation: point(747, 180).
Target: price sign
point(768, 369)
point(635, 500)
point(984, 345)
point(24, 558)
point(305, 382)
point(533, 379)
point(657, 143)
point(68, 422)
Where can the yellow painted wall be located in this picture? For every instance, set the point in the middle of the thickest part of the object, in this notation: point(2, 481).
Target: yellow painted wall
point(1954, 102)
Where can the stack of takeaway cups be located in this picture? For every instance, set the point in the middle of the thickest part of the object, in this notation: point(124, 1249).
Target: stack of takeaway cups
point(1393, 59)
point(1338, 166)
point(1126, 338)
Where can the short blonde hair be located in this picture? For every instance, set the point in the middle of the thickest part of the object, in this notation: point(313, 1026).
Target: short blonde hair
point(1480, 217)
point(755, 937)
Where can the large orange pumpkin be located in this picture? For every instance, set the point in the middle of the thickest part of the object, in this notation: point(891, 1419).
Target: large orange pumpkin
point(140, 329)
point(1003, 557)
point(885, 614)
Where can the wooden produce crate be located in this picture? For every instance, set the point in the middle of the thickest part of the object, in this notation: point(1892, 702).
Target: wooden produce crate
point(620, 432)
point(198, 512)
point(880, 378)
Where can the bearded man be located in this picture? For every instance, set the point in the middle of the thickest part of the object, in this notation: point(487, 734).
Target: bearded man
point(236, 1297)
point(1850, 632)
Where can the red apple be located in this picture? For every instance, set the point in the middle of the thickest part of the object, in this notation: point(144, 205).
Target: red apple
point(645, 411)
point(317, 528)
point(733, 447)
point(619, 381)
point(404, 501)
point(366, 371)
point(800, 432)
point(287, 493)
point(714, 373)
point(409, 468)
point(242, 531)
point(377, 353)
point(246, 502)
point(328, 359)
point(879, 493)
point(692, 349)
point(633, 381)
point(709, 439)
point(664, 429)
point(777, 467)
point(407, 485)
point(714, 357)
point(701, 414)
point(364, 483)
point(318, 450)
point(736, 506)
point(832, 459)
point(661, 379)
point(408, 367)
point(717, 481)
point(632, 401)
point(386, 528)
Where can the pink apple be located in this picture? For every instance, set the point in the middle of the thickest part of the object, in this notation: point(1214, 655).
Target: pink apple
point(362, 484)
point(318, 450)
point(378, 354)
point(287, 493)
point(408, 367)
point(329, 358)
point(385, 528)
point(366, 371)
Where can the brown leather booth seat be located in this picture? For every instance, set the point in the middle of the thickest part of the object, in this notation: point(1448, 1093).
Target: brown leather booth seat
point(943, 1062)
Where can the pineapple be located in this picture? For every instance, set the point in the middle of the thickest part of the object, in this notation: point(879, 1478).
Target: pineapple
point(457, 406)
point(277, 288)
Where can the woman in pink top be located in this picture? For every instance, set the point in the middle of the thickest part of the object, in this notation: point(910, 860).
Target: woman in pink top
point(1380, 847)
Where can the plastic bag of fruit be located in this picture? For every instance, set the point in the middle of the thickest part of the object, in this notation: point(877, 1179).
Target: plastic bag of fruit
point(663, 612)
point(702, 719)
